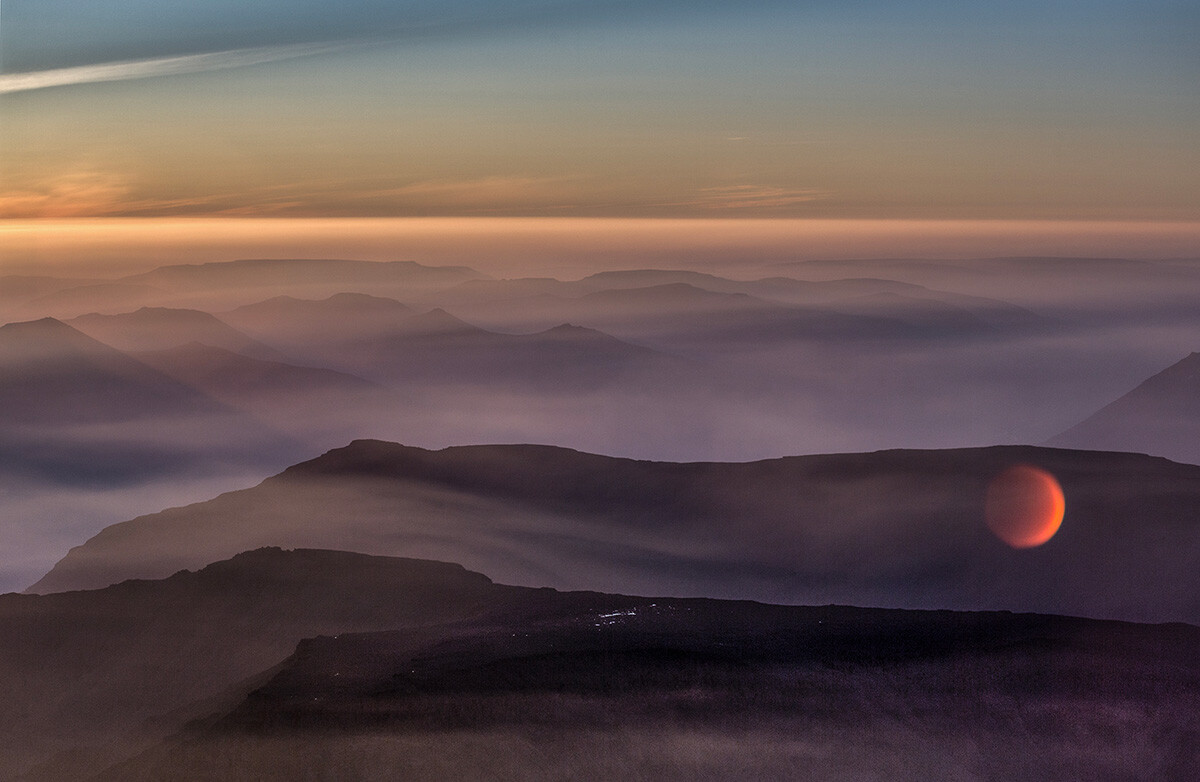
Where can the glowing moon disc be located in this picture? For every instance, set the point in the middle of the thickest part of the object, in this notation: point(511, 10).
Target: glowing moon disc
point(1024, 506)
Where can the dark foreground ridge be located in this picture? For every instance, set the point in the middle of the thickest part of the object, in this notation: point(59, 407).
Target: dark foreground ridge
point(901, 528)
point(427, 670)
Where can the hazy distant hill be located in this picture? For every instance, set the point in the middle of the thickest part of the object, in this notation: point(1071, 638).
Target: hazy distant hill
point(681, 315)
point(1097, 287)
point(343, 317)
point(387, 341)
point(17, 288)
point(299, 400)
point(1160, 417)
point(108, 298)
point(304, 277)
point(74, 409)
point(403, 668)
point(162, 328)
point(436, 348)
point(52, 374)
point(222, 285)
point(896, 528)
point(643, 295)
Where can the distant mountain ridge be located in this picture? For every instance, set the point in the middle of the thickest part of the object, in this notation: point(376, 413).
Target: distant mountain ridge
point(895, 528)
point(51, 373)
point(282, 272)
point(162, 328)
point(74, 410)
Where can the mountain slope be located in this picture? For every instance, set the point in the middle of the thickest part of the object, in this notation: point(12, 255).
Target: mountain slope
point(405, 668)
point(894, 528)
point(52, 374)
point(1160, 417)
point(303, 401)
point(101, 672)
point(75, 410)
point(162, 328)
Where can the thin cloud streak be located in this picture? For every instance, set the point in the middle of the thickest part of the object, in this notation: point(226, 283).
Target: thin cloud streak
point(162, 66)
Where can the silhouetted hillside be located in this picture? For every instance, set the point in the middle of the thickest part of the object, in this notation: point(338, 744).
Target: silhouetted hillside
point(895, 528)
point(94, 674)
point(401, 668)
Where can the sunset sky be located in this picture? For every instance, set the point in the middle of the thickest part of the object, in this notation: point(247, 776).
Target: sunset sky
point(1066, 110)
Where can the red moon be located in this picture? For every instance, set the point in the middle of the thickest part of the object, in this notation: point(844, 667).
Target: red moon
point(1024, 506)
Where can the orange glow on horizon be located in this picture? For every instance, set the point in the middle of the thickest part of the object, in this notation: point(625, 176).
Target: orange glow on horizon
point(1025, 506)
point(556, 245)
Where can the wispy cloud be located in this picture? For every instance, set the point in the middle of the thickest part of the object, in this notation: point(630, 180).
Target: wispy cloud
point(160, 66)
point(78, 193)
point(751, 197)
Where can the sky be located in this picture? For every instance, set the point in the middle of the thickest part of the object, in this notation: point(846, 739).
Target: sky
point(928, 110)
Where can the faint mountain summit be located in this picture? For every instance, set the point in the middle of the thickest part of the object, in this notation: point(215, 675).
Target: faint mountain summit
point(1160, 417)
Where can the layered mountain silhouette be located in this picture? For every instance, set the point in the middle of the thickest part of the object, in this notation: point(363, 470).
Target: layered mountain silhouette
point(291, 664)
point(297, 323)
point(53, 374)
point(73, 409)
point(893, 528)
point(220, 285)
point(162, 328)
point(386, 341)
point(644, 301)
point(244, 281)
point(109, 298)
point(303, 401)
point(1091, 289)
point(1161, 417)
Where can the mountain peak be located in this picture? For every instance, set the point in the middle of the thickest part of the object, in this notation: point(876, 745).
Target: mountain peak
point(1161, 416)
point(47, 325)
point(46, 336)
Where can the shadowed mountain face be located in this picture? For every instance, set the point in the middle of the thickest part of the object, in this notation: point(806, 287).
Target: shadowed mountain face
point(424, 668)
point(897, 528)
point(1161, 417)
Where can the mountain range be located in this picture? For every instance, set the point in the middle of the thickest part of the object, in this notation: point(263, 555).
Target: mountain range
point(893, 528)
